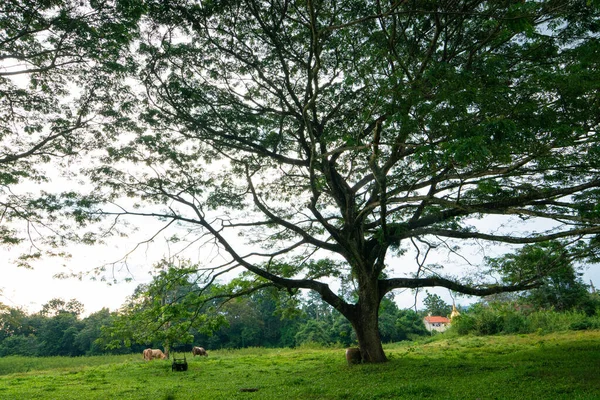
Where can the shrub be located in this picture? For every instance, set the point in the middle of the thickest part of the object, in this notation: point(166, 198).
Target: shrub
point(19, 345)
point(463, 324)
point(508, 319)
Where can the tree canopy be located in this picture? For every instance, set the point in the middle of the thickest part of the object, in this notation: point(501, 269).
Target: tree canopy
point(59, 61)
point(334, 135)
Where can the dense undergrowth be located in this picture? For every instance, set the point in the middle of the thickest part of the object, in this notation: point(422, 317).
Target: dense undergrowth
point(506, 318)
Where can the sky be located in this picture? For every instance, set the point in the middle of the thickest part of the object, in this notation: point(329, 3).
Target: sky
point(31, 288)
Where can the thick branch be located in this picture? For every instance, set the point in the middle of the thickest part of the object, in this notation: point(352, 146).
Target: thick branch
point(483, 290)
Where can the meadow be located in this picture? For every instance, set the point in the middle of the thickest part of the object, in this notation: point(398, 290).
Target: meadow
point(552, 366)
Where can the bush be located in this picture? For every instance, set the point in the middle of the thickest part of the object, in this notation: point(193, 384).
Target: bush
point(19, 345)
point(515, 322)
point(463, 324)
point(489, 322)
point(552, 321)
point(509, 319)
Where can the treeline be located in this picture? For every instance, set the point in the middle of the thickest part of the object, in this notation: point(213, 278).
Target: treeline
point(57, 330)
point(256, 320)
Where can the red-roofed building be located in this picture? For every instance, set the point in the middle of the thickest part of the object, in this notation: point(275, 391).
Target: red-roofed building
point(436, 323)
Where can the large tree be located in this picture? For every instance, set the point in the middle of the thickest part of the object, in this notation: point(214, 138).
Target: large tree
point(336, 134)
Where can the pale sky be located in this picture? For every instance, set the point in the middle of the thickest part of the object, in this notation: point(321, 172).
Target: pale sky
point(30, 289)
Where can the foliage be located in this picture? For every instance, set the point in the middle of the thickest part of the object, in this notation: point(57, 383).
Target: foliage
point(560, 288)
point(86, 339)
point(410, 325)
point(58, 306)
point(557, 366)
point(60, 64)
point(263, 319)
point(163, 312)
point(514, 318)
point(54, 334)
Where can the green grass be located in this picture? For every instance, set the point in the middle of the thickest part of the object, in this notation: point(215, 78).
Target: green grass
point(554, 366)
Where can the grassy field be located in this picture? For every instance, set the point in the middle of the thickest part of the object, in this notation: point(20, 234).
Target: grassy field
point(554, 366)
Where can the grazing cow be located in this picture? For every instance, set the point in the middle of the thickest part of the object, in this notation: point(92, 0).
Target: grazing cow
point(199, 351)
point(157, 353)
point(353, 355)
point(150, 354)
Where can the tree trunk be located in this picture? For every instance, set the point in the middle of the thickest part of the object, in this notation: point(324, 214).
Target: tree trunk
point(167, 349)
point(366, 325)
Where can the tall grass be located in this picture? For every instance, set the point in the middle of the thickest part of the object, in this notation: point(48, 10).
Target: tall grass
point(551, 366)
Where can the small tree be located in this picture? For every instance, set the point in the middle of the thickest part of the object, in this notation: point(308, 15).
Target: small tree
point(166, 310)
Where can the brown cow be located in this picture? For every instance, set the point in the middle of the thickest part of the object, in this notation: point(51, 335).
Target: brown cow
point(353, 355)
point(199, 351)
point(150, 354)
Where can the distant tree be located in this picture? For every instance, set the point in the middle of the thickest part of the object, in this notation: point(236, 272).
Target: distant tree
point(313, 331)
point(17, 332)
point(562, 290)
point(245, 324)
point(57, 306)
point(86, 340)
point(57, 336)
point(388, 316)
point(279, 312)
point(19, 345)
point(561, 287)
point(12, 321)
point(409, 324)
point(435, 305)
point(315, 308)
point(341, 331)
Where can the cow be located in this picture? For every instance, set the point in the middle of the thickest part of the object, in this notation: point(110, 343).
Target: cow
point(199, 351)
point(150, 354)
point(156, 353)
point(147, 354)
point(353, 355)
